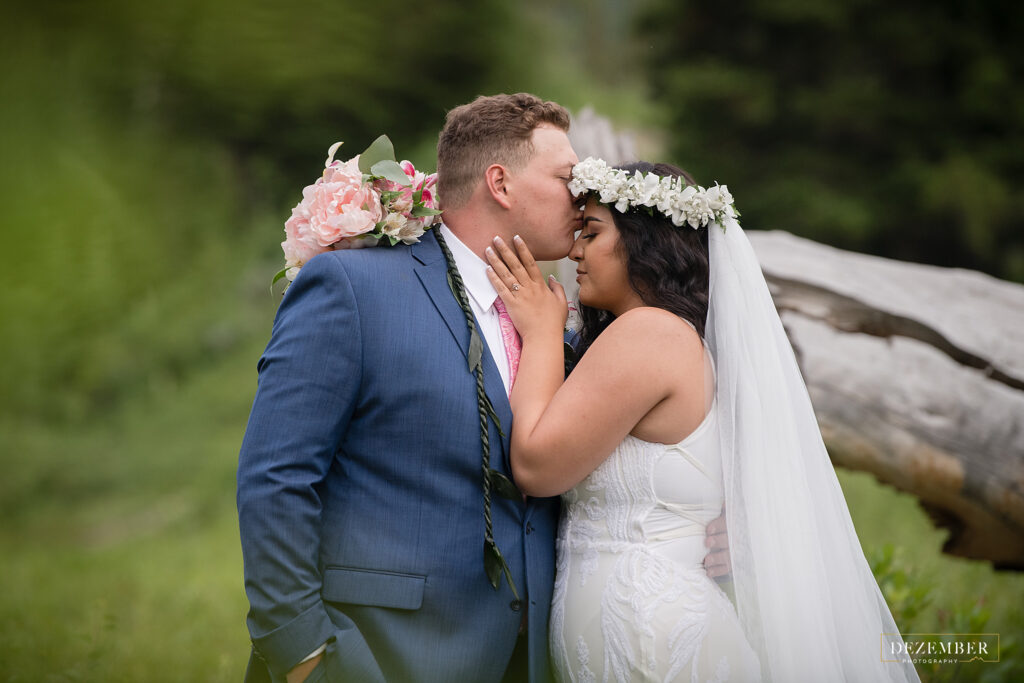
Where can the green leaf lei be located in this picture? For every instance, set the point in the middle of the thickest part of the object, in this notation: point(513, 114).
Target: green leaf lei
point(494, 562)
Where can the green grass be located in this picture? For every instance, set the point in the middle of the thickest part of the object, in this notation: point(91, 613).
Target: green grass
point(122, 559)
point(963, 596)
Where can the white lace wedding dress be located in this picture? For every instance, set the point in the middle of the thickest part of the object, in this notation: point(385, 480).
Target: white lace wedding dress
point(632, 601)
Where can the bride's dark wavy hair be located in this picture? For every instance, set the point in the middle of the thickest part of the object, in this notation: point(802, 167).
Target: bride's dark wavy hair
point(667, 265)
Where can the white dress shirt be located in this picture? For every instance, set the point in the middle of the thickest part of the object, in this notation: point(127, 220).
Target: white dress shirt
point(482, 295)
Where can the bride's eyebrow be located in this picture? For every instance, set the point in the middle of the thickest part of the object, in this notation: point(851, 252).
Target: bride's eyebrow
point(588, 219)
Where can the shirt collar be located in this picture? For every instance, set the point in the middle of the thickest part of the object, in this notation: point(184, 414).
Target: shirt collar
point(473, 270)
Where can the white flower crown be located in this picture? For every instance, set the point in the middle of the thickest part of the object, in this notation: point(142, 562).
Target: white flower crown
point(681, 203)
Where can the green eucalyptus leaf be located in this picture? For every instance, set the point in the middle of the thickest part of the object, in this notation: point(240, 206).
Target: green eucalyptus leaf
point(489, 407)
point(494, 565)
point(419, 211)
point(508, 576)
point(280, 274)
point(504, 486)
point(476, 350)
point(493, 562)
point(379, 150)
point(389, 169)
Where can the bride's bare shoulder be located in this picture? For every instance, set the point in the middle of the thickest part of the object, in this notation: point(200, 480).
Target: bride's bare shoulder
point(649, 320)
point(655, 331)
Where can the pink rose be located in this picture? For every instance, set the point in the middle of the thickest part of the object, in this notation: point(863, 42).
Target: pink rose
point(339, 205)
point(299, 245)
point(340, 211)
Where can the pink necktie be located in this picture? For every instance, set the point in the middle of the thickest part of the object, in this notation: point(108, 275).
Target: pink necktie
point(513, 344)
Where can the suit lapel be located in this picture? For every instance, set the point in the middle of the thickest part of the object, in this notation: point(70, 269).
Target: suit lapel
point(432, 271)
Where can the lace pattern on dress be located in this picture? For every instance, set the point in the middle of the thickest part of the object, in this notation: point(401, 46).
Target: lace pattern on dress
point(603, 525)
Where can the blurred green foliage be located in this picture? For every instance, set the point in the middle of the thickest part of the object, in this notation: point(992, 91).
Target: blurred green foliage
point(928, 592)
point(894, 128)
point(152, 150)
point(895, 576)
point(151, 154)
point(275, 80)
point(121, 559)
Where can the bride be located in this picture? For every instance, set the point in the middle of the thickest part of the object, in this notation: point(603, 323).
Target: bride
point(686, 397)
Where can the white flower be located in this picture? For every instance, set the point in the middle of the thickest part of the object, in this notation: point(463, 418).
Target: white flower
point(402, 204)
point(408, 230)
point(589, 175)
point(413, 230)
point(726, 195)
point(393, 224)
point(648, 189)
point(682, 204)
point(719, 198)
point(330, 154)
point(698, 211)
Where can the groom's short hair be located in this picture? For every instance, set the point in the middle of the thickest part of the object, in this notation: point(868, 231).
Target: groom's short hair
point(494, 129)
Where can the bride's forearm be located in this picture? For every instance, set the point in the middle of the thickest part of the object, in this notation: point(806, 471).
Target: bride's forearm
point(541, 372)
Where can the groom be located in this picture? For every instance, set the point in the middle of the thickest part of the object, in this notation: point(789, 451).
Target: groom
point(360, 480)
point(360, 495)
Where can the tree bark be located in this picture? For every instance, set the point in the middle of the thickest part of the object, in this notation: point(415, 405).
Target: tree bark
point(917, 376)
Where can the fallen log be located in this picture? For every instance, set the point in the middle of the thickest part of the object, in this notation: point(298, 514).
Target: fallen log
point(917, 376)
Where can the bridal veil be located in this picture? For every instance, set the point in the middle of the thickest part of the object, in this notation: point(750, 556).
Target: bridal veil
point(805, 594)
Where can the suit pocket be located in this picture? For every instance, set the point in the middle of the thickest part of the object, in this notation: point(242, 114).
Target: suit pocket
point(373, 588)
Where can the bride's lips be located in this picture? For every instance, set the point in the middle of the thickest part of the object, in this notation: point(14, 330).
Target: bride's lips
point(579, 274)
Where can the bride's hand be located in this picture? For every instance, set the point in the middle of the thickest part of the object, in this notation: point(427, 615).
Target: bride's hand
point(536, 305)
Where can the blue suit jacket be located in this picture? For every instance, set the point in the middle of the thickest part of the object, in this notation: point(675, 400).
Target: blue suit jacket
point(360, 485)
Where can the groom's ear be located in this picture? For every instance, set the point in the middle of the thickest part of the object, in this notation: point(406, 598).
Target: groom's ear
point(496, 180)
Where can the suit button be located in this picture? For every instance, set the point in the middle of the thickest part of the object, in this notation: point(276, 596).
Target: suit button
point(529, 527)
point(515, 605)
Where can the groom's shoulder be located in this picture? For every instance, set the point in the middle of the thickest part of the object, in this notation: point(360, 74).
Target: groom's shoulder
point(368, 262)
point(375, 272)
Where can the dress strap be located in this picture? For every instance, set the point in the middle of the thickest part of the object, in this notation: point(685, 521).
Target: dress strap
point(697, 464)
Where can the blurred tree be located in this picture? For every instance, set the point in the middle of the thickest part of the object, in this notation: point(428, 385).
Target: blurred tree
point(279, 81)
point(891, 128)
point(152, 151)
